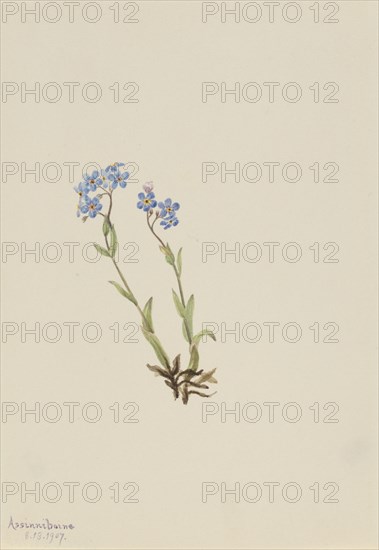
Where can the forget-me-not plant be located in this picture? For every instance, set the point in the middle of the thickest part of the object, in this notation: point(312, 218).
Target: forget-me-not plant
point(100, 185)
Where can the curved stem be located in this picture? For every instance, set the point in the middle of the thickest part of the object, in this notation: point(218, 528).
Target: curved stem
point(151, 227)
point(181, 292)
point(145, 321)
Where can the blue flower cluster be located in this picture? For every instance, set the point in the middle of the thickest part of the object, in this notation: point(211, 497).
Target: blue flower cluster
point(167, 209)
point(106, 180)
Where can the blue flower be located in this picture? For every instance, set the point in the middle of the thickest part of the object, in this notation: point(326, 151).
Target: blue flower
point(146, 201)
point(104, 177)
point(91, 207)
point(114, 167)
point(93, 181)
point(171, 221)
point(118, 178)
point(82, 190)
point(168, 208)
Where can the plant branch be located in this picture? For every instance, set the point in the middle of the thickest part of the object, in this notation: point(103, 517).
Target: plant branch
point(178, 278)
point(145, 321)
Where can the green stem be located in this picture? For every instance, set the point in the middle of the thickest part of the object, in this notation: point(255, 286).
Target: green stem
point(178, 278)
point(124, 281)
point(188, 331)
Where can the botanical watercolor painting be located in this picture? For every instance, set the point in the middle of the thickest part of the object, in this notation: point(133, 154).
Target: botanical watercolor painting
point(96, 195)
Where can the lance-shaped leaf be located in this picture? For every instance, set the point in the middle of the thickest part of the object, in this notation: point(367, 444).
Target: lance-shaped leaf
point(179, 262)
point(201, 394)
point(194, 358)
point(169, 384)
point(148, 323)
point(197, 338)
point(158, 371)
point(176, 365)
point(124, 293)
point(178, 304)
point(189, 374)
point(102, 250)
point(189, 312)
point(184, 330)
point(157, 346)
point(207, 377)
point(106, 227)
point(166, 250)
point(114, 242)
point(184, 392)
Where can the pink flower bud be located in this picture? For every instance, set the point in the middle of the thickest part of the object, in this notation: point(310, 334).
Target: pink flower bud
point(148, 187)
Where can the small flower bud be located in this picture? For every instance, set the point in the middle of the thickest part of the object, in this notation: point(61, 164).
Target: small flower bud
point(148, 187)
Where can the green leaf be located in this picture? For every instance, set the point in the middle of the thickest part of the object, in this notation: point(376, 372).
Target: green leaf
point(170, 258)
point(197, 338)
point(178, 304)
point(148, 324)
point(102, 250)
point(189, 312)
point(179, 262)
point(185, 332)
point(194, 358)
point(123, 292)
point(114, 242)
point(106, 227)
point(157, 346)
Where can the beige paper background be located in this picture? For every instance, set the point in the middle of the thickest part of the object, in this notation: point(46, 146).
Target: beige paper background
point(169, 133)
